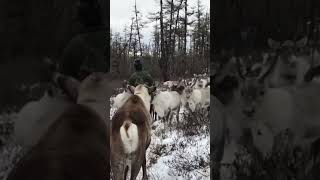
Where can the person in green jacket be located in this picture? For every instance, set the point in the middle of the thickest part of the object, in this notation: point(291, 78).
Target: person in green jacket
point(86, 52)
point(140, 76)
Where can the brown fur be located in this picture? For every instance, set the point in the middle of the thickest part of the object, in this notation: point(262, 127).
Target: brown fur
point(74, 148)
point(135, 111)
point(76, 145)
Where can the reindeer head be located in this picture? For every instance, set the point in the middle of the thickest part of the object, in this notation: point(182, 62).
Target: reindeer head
point(94, 89)
point(144, 92)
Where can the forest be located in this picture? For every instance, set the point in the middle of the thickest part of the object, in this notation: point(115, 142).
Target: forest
point(180, 45)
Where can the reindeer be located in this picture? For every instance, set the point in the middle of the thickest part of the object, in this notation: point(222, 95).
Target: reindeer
point(36, 116)
point(121, 98)
point(291, 65)
point(200, 98)
point(283, 108)
point(273, 109)
point(228, 119)
point(188, 88)
point(169, 84)
point(202, 82)
point(130, 134)
point(76, 145)
point(218, 134)
point(166, 102)
point(266, 108)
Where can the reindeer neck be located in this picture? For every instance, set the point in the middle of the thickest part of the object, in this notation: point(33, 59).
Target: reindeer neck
point(145, 101)
point(100, 107)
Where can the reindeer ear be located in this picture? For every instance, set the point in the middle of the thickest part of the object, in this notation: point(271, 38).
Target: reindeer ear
point(151, 89)
point(180, 89)
point(302, 42)
point(131, 88)
point(124, 83)
point(69, 85)
point(273, 44)
point(265, 58)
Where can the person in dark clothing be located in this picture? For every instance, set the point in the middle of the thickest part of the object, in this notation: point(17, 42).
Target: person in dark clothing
point(86, 52)
point(140, 76)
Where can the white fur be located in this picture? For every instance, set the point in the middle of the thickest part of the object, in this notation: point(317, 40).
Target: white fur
point(95, 91)
point(302, 66)
point(35, 118)
point(276, 78)
point(165, 101)
point(169, 84)
point(130, 144)
point(199, 98)
point(201, 83)
point(224, 118)
point(120, 99)
point(143, 93)
point(295, 108)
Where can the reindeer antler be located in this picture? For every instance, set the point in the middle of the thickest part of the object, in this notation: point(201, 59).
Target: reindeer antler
point(194, 82)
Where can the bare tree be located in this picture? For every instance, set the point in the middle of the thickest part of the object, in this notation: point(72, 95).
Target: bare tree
point(168, 54)
point(163, 57)
point(137, 26)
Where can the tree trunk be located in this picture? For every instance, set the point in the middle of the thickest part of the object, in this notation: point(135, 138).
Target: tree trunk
point(163, 58)
point(185, 27)
point(138, 28)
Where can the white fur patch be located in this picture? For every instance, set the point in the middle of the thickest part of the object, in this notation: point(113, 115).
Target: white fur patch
point(35, 118)
point(120, 99)
point(143, 93)
point(165, 101)
point(130, 139)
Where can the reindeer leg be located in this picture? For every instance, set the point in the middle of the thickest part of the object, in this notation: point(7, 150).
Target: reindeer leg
point(144, 169)
point(126, 172)
point(167, 116)
point(135, 168)
point(178, 111)
point(119, 171)
point(170, 119)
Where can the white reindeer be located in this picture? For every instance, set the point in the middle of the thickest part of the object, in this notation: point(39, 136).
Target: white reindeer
point(170, 84)
point(229, 120)
point(166, 102)
point(121, 98)
point(200, 98)
point(35, 118)
point(275, 109)
point(291, 70)
point(294, 108)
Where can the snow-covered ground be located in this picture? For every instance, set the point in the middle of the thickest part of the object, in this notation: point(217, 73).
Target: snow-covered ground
point(175, 156)
point(10, 153)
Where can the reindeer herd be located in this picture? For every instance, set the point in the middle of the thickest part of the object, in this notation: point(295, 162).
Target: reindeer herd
point(274, 92)
point(170, 96)
point(131, 136)
point(69, 129)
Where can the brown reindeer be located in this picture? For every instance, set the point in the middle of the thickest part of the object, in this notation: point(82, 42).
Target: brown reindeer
point(131, 135)
point(76, 145)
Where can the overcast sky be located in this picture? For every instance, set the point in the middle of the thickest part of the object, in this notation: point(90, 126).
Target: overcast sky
point(122, 10)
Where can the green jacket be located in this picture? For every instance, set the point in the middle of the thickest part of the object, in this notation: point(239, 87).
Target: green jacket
point(141, 77)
